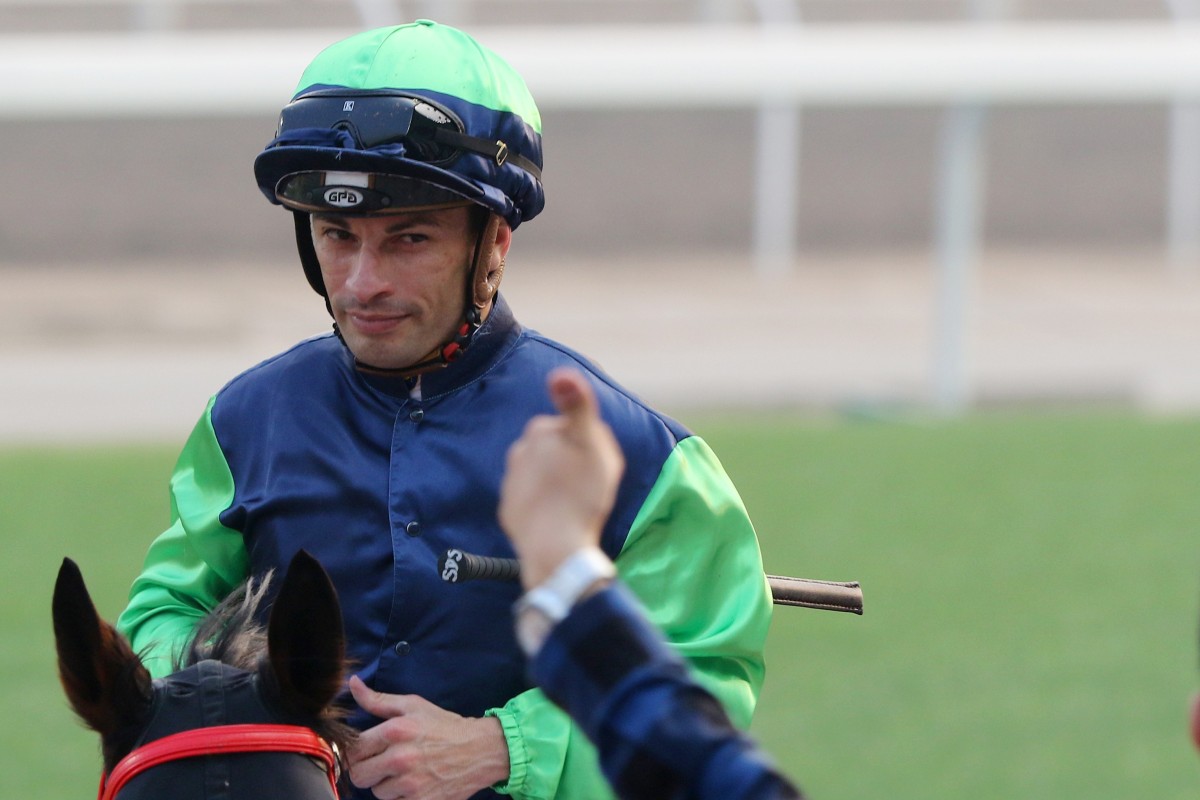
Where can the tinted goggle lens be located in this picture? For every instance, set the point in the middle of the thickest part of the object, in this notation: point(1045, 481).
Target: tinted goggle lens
point(375, 120)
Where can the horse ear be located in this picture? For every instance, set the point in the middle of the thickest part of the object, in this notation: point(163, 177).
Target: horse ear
point(306, 641)
point(104, 680)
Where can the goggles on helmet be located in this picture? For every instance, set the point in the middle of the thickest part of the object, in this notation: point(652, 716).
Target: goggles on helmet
point(377, 119)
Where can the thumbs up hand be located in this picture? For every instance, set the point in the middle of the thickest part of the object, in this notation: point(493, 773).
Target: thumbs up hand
point(561, 479)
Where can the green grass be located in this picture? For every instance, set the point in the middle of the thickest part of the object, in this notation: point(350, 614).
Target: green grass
point(1031, 587)
point(99, 507)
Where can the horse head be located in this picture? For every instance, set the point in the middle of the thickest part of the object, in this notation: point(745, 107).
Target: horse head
point(248, 713)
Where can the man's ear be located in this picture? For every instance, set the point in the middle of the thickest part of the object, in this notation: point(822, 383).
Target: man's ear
point(494, 244)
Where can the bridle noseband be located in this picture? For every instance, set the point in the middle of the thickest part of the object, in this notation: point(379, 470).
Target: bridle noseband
point(222, 740)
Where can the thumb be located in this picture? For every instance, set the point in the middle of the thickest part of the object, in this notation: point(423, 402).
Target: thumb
point(379, 704)
point(572, 395)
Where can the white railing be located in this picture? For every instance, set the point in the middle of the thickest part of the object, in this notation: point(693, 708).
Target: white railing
point(202, 73)
point(768, 70)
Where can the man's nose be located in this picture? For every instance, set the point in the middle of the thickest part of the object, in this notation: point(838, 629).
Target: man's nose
point(366, 278)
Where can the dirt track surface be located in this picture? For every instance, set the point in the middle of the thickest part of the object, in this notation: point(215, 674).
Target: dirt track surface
point(108, 353)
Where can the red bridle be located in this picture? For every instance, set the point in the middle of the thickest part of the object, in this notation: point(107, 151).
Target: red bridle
point(220, 740)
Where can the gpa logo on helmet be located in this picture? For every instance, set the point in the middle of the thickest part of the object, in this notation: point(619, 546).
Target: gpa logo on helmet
point(343, 196)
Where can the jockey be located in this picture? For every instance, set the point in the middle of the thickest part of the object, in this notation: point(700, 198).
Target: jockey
point(408, 156)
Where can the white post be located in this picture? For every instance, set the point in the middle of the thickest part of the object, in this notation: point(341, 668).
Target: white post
point(959, 214)
point(717, 11)
point(775, 189)
point(1183, 189)
point(156, 15)
point(776, 169)
point(1183, 171)
point(379, 13)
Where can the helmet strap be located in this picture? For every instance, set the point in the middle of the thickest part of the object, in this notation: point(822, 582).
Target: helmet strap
point(308, 255)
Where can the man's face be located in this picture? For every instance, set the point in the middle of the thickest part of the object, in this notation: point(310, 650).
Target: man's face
point(397, 282)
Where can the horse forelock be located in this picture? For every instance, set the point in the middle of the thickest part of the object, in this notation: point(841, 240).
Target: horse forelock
point(232, 633)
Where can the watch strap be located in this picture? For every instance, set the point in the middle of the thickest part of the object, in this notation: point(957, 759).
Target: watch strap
point(543, 606)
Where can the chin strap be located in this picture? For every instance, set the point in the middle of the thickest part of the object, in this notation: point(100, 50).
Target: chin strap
point(481, 288)
point(444, 356)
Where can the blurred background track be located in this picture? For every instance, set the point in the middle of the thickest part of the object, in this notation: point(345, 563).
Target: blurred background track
point(119, 353)
point(143, 267)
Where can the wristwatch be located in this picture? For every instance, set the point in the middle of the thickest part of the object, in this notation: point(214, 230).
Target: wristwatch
point(545, 605)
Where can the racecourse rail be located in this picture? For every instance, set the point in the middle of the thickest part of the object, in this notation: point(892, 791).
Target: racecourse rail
point(769, 70)
point(195, 73)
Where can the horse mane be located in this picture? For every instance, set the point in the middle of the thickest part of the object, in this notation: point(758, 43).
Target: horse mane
point(233, 634)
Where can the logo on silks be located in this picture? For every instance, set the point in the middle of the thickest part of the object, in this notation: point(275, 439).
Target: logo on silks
point(343, 196)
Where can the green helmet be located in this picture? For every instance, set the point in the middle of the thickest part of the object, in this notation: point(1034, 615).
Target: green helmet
point(417, 115)
point(405, 117)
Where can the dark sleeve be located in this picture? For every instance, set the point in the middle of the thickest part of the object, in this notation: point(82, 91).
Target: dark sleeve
point(659, 733)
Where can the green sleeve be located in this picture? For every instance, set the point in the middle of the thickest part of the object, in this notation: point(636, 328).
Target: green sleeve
point(692, 557)
point(191, 566)
point(548, 756)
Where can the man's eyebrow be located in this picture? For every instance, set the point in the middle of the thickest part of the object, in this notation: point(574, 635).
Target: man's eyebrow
point(413, 219)
point(406, 221)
